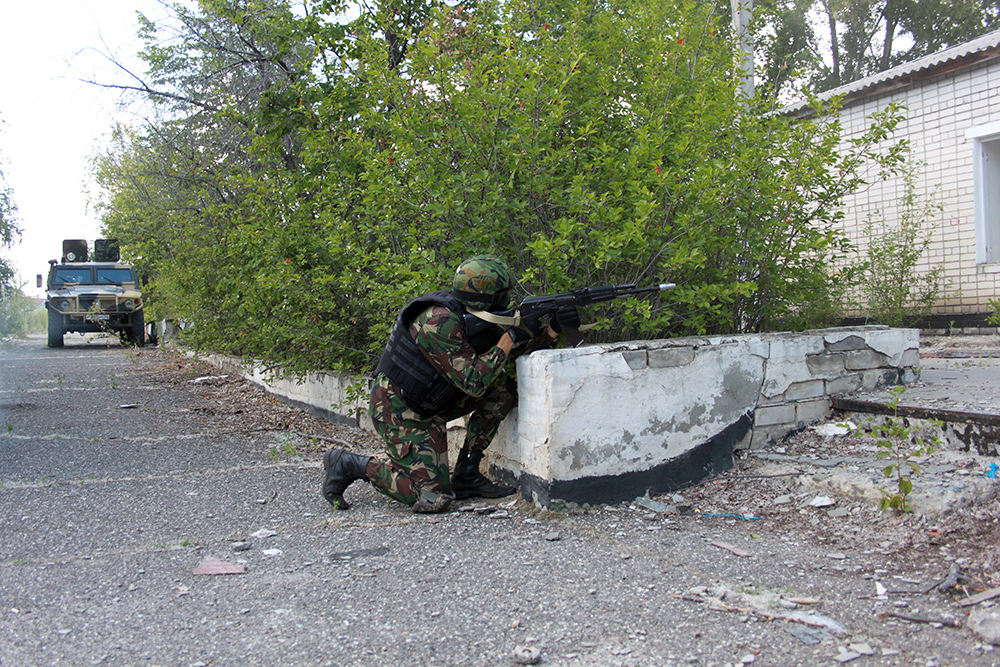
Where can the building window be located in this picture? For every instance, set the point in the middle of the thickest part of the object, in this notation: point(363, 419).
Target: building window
point(986, 173)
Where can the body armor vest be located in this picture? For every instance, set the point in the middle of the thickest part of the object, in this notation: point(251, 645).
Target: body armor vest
point(418, 383)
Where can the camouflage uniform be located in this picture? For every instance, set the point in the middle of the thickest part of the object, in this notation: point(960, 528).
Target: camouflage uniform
point(417, 445)
point(430, 374)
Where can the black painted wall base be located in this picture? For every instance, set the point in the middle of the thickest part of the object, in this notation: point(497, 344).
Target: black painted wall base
point(694, 466)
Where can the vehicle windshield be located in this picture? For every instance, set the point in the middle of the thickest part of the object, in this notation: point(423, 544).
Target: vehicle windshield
point(82, 276)
point(114, 276)
point(71, 276)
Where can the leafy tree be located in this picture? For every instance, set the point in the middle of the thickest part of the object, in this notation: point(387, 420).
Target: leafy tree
point(786, 43)
point(307, 177)
point(936, 24)
point(605, 147)
point(14, 305)
point(202, 198)
point(9, 231)
point(853, 39)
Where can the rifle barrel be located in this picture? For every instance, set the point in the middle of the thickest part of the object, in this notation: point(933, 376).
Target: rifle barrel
point(662, 287)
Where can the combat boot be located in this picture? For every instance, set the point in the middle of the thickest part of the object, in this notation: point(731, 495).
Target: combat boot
point(468, 482)
point(342, 468)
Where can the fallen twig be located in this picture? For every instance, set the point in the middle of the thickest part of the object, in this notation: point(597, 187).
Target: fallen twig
point(737, 478)
point(820, 622)
point(264, 429)
point(323, 438)
point(948, 582)
point(386, 524)
point(947, 622)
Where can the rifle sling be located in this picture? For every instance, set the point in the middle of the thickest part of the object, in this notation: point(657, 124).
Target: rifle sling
point(573, 336)
point(499, 320)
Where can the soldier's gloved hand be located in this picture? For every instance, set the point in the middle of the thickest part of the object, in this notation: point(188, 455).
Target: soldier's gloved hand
point(530, 327)
point(566, 316)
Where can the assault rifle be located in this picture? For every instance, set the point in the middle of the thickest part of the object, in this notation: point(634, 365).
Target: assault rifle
point(479, 322)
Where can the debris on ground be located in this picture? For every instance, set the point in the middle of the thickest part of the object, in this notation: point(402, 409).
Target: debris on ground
point(213, 566)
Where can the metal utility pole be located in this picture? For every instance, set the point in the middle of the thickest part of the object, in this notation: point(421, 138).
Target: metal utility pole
point(742, 15)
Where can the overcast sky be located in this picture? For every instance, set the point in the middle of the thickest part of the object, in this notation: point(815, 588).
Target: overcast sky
point(50, 121)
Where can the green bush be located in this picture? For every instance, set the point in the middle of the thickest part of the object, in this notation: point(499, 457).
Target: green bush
point(587, 144)
point(893, 290)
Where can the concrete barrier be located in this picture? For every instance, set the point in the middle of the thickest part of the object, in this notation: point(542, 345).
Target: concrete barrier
point(606, 423)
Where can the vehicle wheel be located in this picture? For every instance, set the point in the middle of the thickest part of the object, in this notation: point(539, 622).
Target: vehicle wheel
point(55, 329)
point(137, 332)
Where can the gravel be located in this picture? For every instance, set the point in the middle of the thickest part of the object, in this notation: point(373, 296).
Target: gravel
point(107, 513)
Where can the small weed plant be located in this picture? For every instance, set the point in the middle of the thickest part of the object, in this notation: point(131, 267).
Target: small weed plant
point(897, 286)
point(355, 398)
point(287, 448)
point(898, 442)
point(994, 318)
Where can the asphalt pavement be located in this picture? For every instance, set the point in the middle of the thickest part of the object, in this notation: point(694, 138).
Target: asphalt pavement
point(124, 500)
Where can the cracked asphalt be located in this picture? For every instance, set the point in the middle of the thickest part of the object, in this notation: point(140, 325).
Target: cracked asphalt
point(120, 475)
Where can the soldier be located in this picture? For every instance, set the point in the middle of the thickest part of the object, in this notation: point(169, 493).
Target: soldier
point(431, 373)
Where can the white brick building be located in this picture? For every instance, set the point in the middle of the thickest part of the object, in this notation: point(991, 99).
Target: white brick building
point(952, 101)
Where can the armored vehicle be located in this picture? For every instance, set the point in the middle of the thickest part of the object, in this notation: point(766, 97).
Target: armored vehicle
point(99, 293)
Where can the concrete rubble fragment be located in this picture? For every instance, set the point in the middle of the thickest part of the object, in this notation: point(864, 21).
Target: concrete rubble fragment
point(834, 429)
point(732, 549)
point(263, 532)
point(213, 566)
point(985, 624)
point(656, 506)
point(767, 605)
point(806, 634)
point(478, 509)
point(980, 597)
point(208, 378)
point(527, 655)
point(845, 656)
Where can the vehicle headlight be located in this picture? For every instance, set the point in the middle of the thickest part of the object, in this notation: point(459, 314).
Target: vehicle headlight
point(64, 305)
point(71, 256)
point(129, 305)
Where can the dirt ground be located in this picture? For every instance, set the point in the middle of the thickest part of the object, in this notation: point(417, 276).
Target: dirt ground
point(962, 543)
point(967, 536)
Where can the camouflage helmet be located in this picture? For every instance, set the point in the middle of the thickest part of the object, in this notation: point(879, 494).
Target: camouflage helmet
point(483, 281)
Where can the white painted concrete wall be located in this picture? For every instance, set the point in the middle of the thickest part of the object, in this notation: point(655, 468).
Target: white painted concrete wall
point(616, 412)
point(606, 410)
point(604, 423)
